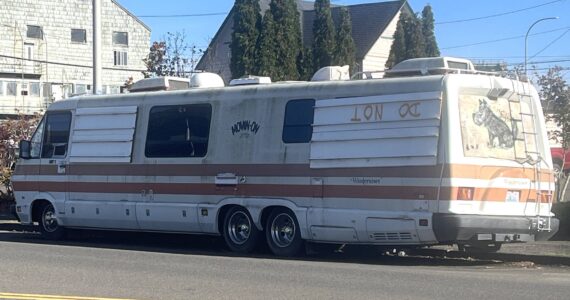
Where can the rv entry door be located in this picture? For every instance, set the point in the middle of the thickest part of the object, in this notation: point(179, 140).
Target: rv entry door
point(54, 157)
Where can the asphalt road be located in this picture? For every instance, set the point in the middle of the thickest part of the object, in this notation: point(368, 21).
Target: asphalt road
point(143, 266)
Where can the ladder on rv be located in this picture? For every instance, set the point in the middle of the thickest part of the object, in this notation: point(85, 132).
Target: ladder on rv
point(524, 119)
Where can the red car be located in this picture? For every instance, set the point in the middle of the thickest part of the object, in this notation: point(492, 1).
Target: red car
point(560, 159)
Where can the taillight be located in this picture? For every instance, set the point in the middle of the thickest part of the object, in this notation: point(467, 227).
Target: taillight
point(546, 196)
point(465, 193)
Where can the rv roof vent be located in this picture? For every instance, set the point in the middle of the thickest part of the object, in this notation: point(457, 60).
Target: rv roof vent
point(206, 80)
point(247, 80)
point(430, 66)
point(332, 73)
point(160, 84)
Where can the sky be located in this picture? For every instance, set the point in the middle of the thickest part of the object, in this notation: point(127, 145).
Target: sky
point(496, 33)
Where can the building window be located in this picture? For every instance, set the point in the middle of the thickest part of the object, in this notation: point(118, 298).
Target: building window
point(11, 88)
point(1, 88)
point(35, 32)
point(24, 89)
point(120, 38)
point(114, 89)
point(81, 89)
point(79, 36)
point(35, 89)
point(178, 131)
point(120, 58)
point(298, 124)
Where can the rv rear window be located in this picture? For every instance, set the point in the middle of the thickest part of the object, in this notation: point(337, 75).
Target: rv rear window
point(298, 124)
point(178, 131)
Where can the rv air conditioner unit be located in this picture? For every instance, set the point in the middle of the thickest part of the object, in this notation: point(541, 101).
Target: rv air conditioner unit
point(431, 66)
point(247, 80)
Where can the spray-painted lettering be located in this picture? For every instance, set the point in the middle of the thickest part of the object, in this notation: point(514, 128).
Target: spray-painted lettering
point(369, 112)
point(411, 109)
point(245, 126)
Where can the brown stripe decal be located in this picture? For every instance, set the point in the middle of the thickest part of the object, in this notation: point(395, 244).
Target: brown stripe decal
point(285, 170)
point(275, 190)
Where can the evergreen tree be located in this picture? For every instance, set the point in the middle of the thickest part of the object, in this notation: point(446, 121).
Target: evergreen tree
point(408, 42)
point(305, 64)
point(287, 38)
point(267, 50)
point(324, 35)
point(398, 50)
point(431, 48)
point(415, 42)
point(245, 35)
point(345, 52)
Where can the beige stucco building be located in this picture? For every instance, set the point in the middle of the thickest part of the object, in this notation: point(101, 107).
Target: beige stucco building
point(46, 51)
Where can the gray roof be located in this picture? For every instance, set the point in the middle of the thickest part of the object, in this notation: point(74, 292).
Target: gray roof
point(301, 5)
point(368, 22)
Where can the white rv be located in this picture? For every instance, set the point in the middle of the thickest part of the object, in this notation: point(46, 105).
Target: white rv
point(436, 153)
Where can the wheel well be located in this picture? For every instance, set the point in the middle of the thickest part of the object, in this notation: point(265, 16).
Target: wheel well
point(37, 209)
point(222, 215)
point(267, 211)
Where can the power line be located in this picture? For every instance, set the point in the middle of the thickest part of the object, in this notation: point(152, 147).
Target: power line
point(185, 16)
point(499, 14)
point(67, 64)
point(541, 62)
point(505, 39)
point(550, 44)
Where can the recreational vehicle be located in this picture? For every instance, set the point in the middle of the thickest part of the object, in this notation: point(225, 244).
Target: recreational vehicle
point(434, 153)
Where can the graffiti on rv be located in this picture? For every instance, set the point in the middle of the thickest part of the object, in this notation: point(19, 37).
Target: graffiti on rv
point(375, 112)
point(245, 127)
point(488, 128)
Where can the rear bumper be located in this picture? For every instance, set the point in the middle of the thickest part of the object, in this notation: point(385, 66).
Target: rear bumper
point(451, 228)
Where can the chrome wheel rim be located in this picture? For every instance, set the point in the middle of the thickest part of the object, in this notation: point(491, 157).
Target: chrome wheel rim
point(239, 227)
point(283, 230)
point(49, 219)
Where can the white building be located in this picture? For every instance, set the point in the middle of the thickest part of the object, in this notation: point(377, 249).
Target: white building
point(373, 28)
point(46, 51)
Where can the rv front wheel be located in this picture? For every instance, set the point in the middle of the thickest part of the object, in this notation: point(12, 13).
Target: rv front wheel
point(282, 233)
point(49, 226)
point(240, 232)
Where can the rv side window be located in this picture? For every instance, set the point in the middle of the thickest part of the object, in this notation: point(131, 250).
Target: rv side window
point(178, 131)
point(56, 134)
point(298, 124)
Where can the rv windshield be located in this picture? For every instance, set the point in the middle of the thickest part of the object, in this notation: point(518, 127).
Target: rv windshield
point(494, 127)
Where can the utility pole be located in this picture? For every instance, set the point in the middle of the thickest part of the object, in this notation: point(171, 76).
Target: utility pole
point(96, 88)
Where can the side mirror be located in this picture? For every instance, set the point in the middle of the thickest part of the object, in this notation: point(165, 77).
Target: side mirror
point(25, 147)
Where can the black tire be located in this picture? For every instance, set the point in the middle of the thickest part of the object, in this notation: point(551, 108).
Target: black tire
point(49, 226)
point(283, 233)
point(240, 233)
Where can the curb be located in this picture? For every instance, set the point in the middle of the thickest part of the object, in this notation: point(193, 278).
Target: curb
point(13, 225)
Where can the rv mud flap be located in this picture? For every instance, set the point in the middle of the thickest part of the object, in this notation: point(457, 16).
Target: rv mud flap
point(449, 228)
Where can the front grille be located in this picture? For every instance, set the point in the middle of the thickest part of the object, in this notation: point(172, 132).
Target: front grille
point(391, 236)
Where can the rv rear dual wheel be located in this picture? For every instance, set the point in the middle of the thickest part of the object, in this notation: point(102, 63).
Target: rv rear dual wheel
point(282, 233)
point(49, 226)
point(240, 233)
